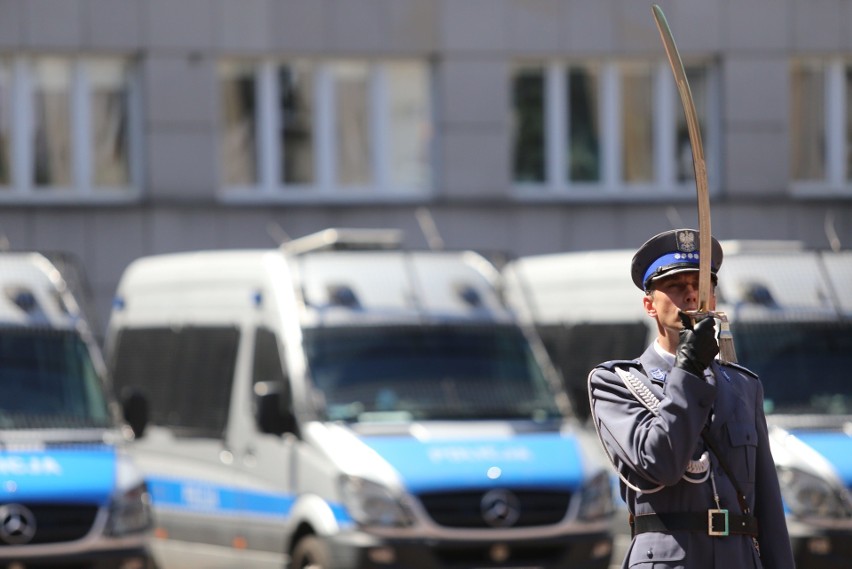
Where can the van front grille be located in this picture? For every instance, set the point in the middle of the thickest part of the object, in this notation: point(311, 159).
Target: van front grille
point(467, 509)
point(54, 523)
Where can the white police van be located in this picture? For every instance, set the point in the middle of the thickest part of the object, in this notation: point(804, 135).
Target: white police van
point(790, 311)
point(343, 403)
point(69, 494)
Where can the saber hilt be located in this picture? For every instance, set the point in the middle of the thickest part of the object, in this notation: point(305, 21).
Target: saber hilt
point(727, 352)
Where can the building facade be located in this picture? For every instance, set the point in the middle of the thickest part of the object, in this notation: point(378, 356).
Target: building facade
point(135, 127)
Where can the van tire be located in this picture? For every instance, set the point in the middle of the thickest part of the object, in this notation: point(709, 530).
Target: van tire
point(310, 553)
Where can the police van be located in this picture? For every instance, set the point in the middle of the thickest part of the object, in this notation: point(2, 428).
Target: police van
point(70, 495)
point(790, 312)
point(341, 402)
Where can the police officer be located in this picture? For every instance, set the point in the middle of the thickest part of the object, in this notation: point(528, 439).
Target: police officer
point(686, 432)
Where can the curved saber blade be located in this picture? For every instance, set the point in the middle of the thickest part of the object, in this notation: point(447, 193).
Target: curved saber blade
point(726, 340)
point(699, 166)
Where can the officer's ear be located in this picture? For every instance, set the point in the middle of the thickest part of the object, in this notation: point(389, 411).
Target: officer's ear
point(648, 303)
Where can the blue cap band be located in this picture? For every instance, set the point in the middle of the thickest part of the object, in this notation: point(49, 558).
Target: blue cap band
point(670, 259)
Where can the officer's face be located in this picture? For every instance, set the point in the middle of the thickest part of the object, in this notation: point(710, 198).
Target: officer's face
point(672, 294)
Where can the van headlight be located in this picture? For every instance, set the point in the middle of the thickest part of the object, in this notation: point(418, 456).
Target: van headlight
point(596, 498)
point(372, 504)
point(129, 512)
point(807, 495)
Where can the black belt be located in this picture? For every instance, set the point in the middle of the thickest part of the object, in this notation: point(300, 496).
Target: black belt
point(712, 522)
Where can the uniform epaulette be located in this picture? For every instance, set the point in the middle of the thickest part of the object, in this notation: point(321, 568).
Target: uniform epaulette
point(743, 369)
point(612, 364)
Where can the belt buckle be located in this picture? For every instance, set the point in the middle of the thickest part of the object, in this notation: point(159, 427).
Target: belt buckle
point(717, 523)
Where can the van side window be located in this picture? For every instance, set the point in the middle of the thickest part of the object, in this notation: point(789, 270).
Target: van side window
point(268, 363)
point(185, 373)
point(269, 367)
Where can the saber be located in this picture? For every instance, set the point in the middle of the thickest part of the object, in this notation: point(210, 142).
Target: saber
point(726, 341)
point(698, 163)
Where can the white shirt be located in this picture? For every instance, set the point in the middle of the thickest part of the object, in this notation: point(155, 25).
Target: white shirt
point(669, 358)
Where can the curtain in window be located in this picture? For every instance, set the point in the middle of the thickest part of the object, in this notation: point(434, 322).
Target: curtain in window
point(352, 128)
point(848, 102)
point(529, 129)
point(807, 122)
point(584, 126)
point(637, 124)
point(109, 84)
point(238, 150)
point(51, 122)
point(5, 123)
point(410, 136)
point(697, 77)
point(296, 82)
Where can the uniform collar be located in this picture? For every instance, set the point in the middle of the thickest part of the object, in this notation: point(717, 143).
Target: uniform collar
point(659, 373)
point(656, 363)
point(669, 358)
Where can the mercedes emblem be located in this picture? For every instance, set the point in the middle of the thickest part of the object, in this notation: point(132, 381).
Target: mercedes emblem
point(17, 524)
point(500, 508)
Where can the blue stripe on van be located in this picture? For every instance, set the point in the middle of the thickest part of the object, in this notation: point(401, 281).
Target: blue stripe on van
point(199, 496)
point(70, 475)
point(549, 460)
point(836, 447)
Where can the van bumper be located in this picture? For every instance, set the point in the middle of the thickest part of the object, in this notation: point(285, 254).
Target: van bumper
point(105, 559)
point(826, 550)
point(586, 551)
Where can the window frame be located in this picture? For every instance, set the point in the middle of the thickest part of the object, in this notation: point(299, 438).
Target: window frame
point(22, 186)
point(611, 185)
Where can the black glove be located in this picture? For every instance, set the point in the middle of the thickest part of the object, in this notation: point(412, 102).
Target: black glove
point(697, 346)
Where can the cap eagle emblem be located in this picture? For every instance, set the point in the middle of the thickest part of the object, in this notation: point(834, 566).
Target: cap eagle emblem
point(686, 241)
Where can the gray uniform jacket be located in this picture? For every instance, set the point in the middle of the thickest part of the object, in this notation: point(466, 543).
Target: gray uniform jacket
point(652, 450)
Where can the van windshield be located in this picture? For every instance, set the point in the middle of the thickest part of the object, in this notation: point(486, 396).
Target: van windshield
point(805, 367)
point(428, 372)
point(48, 381)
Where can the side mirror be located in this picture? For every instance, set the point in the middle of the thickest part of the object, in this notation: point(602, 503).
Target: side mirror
point(269, 411)
point(134, 406)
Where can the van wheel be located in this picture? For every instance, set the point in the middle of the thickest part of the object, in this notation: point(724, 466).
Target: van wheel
point(310, 553)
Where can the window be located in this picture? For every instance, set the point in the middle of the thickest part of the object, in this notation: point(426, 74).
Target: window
point(66, 127)
point(608, 128)
point(338, 128)
point(821, 125)
point(267, 364)
point(185, 373)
